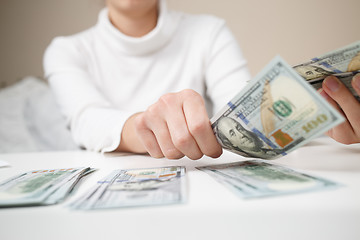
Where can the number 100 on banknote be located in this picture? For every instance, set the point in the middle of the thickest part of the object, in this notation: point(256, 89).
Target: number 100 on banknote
point(276, 112)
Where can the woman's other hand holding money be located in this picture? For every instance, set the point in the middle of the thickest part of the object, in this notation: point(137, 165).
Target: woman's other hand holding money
point(335, 92)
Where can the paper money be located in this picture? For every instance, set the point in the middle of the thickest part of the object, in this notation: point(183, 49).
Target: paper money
point(40, 187)
point(343, 63)
point(274, 114)
point(256, 178)
point(65, 190)
point(136, 187)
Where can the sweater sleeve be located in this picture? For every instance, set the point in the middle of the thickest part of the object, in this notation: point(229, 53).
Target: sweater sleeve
point(226, 70)
point(94, 123)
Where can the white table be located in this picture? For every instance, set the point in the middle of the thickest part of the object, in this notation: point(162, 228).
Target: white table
point(212, 211)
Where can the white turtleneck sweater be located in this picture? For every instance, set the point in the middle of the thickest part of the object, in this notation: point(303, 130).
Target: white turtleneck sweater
point(101, 77)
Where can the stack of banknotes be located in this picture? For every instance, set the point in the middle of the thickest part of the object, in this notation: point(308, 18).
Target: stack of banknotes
point(40, 187)
point(167, 185)
point(277, 112)
point(153, 186)
point(250, 179)
point(135, 188)
point(343, 63)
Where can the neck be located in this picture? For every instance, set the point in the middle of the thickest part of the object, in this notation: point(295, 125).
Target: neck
point(134, 24)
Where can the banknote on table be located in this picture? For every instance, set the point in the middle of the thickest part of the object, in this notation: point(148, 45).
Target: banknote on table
point(343, 63)
point(40, 187)
point(256, 178)
point(136, 187)
point(65, 189)
point(274, 114)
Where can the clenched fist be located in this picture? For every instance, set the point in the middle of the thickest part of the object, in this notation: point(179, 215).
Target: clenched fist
point(177, 125)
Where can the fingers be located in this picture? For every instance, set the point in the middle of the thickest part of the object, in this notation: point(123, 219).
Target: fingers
point(154, 134)
point(177, 125)
point(341, 98)
point(338, 92)
point(330, 100)
point(199, 125)
point(147, 137)
point(356, 83)
point(342, 131)
point(150, 143)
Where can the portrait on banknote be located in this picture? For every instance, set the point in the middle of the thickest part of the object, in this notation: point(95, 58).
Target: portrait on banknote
point(309, 71)
point(235, 137)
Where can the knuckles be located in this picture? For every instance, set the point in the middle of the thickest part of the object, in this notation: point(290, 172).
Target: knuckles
point(170, 100)
point(167, 100)
point(198, 127)
point(189, 93)
point(182, 141)
point(153, 111)
point(139, 121)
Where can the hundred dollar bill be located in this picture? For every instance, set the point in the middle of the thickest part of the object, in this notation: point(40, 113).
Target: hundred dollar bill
point(40, 187)
point(250, 179)
point(136, 187)
point(343, 63)
point(274, 114)
point(66, 188)
point(346, 59)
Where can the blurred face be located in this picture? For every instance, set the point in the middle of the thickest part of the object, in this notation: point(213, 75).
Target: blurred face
point(236, 134)
point(137, 7)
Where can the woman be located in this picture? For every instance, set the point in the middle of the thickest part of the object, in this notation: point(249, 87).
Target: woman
point(141, 80)
point(137, 81)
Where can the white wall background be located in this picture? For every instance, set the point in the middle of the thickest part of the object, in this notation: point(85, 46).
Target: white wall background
point(297, 30)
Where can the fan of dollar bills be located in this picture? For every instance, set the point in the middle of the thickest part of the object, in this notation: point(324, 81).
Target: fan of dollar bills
point(279, 110)
point(343, 63)
point(40, 187)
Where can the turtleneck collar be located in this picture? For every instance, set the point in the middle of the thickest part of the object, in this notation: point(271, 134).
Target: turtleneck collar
point(157, 38)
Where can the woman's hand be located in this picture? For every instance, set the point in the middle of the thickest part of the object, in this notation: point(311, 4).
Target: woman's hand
point(177, 125)
point(335, 92)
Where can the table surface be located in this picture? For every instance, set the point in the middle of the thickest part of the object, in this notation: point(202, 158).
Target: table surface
point(211, 212)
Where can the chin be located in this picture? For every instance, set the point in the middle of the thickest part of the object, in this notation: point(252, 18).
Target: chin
point(132, 5)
